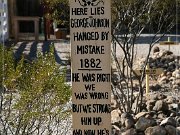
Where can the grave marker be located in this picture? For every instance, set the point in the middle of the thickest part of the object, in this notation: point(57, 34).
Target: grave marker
point(90, 25)
point(169, 43)
point(148, 72)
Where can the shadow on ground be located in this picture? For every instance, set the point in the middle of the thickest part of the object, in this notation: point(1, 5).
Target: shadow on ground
point(30, 49)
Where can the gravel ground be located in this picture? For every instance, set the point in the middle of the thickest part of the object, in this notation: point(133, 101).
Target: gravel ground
point(142, 45)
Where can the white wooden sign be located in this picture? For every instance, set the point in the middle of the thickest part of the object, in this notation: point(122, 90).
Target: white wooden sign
point(156, 71)
point(90, 25)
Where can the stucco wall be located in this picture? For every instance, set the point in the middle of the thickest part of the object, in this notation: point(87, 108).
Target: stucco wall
point(3, 20)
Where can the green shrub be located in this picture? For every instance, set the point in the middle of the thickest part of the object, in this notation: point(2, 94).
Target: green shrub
point(1, 65)
point(36, 92)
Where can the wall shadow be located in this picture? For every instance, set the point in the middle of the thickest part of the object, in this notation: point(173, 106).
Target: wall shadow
point(30, 50)
point(18, 53)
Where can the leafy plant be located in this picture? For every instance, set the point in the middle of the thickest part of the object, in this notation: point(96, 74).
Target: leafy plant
point(58, 10)
point(1, 65)
point(36, 94)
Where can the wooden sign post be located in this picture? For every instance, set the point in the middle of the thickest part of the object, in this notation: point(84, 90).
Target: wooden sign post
point(90, 32)
point(147, 79)
point(148, 72)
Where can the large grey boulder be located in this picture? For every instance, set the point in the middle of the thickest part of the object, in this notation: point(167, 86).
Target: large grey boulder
point(156, 130)
point(170, 130)
point(143, 123)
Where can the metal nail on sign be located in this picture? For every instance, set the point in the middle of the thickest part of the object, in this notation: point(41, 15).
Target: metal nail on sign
point(90, 30)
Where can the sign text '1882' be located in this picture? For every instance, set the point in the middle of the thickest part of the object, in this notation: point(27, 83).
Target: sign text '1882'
point(90, 63)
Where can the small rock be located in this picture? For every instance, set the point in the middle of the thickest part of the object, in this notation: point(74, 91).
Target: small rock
point(176, 87)
point(173, 106)
point(173, 114)
point(113, 102)
point(131, 131)
point(178, 121)
point(163, 80)
point(169, 75)
point(161, 96)
point(141, 114)
point(157, 96)
point(155, 87)
point(126, 116)
point(149, 107)
point(168, 121)
point(115, 130)
point(156, 49)
point(177, 76)
point(178, 131)
point(115, 117)
point(171, 67)
point(170, 100)
point(177, 71)
point(166, 52)
point(161, 116)
point(177, 82)
point(171, 78)
point(148, 116)
point(160, 106)
point(129, 123)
